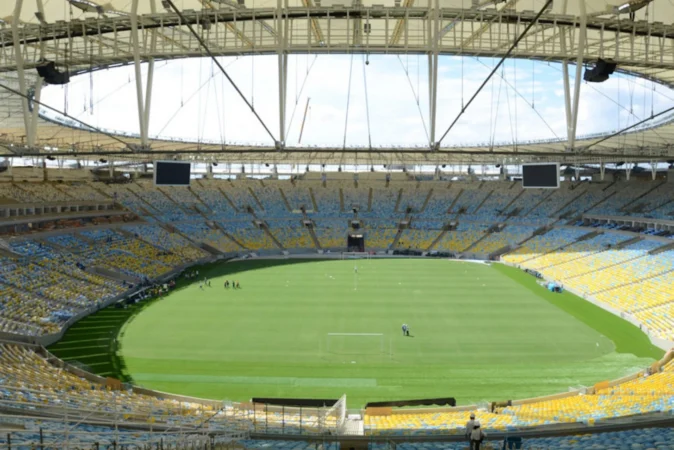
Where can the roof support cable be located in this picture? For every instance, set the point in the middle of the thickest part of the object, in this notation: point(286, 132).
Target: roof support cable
point(87, 126)
point(185, 102)
point(526, 101)
point(620, 106)
point(298, 94)
point(491, 74)
point(462, 100)
point(416, 97)
point(515, 103)
point(533, 83)
point(629, 128)
point(367, 106)
point(348, 100)
point(510, 113)
point(222, 69)
point(498, 103)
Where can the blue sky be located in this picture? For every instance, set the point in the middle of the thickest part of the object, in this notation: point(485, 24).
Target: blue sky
point(193, 101)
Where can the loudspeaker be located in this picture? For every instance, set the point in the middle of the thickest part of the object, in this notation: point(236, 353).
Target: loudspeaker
point(600, 72)
point(48, 71)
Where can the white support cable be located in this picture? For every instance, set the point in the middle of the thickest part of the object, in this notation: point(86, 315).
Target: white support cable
point(348, 100)
point(503, 58)
point(416, 97)
point(222, 69)
point(510, 115)
point(621, 106)
point(298, 95)
point(367, 106)
point(86, 126)
point(498, 103)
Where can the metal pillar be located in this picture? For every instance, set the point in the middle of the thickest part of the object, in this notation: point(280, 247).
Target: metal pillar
point(582, 34)
point(602, 171)
point(148, 100)
point(139, 76)
point(31, 137)
point(150, 77)
point(433, 36)
point(567, 94)
point(281, 36)
point(21, 73)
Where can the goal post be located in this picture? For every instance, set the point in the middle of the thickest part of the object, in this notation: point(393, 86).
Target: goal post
point(374, 344)
point(355, 255)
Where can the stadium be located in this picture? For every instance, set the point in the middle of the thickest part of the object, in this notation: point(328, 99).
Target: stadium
point(314, 224)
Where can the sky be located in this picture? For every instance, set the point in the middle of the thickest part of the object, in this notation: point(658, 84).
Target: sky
point(354, 104)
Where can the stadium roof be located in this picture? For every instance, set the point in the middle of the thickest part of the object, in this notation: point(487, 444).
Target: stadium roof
point(83, 35)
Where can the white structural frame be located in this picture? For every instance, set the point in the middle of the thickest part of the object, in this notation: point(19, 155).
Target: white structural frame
point(641, 48)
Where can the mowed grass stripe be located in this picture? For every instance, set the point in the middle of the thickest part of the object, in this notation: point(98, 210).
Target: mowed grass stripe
point(288, 381)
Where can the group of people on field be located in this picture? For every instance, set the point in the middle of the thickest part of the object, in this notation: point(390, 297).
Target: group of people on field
point(234, 284)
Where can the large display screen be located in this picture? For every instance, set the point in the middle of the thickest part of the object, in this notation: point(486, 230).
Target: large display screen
point(172, 173)
point(541, 176)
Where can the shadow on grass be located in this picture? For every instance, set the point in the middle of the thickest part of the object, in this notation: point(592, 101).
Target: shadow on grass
point(93, 343)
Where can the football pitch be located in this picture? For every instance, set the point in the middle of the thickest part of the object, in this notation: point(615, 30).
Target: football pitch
point(320, 329)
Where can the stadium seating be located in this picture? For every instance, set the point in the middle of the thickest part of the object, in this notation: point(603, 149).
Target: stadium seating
point(644, 438)
point(217, 207)
point(272, 201)
point(575, 251)
point(10, 193)
point(47, 279)
point(592, 197)
point(259, 444)
point(541, 244)
point(417, 239)
point(440, 201)
point(511, 235)
point(413, 198)
point(201, 232)
point(328, 202)
point(470, 199)
point(465, 235)
point(331, 233)
point(291, 233)
point(643, 395)
point(628, 193)
point(162, 239)
point(380, 234)
point(297, 196)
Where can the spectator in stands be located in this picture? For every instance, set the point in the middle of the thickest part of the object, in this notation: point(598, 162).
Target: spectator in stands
point(476, 436)
point(469, 426)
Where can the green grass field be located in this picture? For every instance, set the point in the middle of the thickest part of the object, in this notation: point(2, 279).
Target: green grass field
point(480, 332)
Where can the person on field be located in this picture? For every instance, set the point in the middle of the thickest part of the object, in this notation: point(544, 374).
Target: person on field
point(476, 436)
point(469, 426)
point(405, 332)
